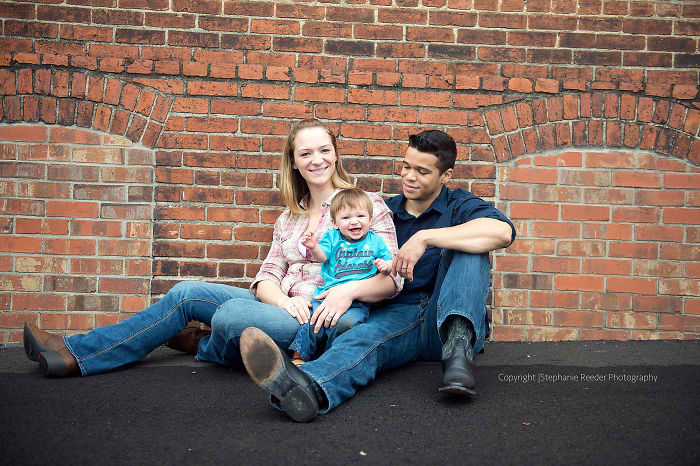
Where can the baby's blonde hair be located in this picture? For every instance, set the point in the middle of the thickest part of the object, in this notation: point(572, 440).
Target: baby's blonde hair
point(352, 197)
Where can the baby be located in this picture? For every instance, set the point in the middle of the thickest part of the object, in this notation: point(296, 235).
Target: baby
point(350, 251)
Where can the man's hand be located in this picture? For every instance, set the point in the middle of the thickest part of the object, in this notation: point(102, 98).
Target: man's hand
point(408, 255)
point(383, 266)
point(297, 307)
point(336, 302)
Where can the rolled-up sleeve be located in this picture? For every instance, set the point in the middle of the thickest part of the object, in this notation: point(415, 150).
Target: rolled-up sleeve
point(274, 267)
point(383, 225)
point(473, 207)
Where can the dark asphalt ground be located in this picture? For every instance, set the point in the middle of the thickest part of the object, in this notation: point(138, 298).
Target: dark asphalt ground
point(641, 405)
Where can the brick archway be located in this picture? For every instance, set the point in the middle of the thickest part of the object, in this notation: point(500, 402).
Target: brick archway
point(85, 100)
point(510, 117)
point(605, 119)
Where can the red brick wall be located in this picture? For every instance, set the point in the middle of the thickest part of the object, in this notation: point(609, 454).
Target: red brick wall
point(138, 146)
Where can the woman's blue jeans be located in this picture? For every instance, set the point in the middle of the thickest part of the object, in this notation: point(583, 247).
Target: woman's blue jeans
point(226, 309)
point(396, 334)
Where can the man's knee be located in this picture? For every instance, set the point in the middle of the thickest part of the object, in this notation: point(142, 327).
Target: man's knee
point(465, 257)
point(463, 268)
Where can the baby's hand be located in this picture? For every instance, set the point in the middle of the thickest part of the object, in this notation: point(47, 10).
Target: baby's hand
point(308, 239)
point(383, 266)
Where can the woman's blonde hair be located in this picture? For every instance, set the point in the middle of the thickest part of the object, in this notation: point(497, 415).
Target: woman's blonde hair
point(292, 186)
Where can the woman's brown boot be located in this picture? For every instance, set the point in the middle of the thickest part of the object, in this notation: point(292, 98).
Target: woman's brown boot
point(50, 350)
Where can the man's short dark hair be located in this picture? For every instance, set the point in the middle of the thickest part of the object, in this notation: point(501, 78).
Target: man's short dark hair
point(438, 143)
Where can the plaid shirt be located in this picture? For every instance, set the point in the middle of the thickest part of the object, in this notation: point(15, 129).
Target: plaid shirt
point(298, 276)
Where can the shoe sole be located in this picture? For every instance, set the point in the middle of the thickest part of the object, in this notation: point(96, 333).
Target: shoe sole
point(52, 364)
point(31, 345)
point(458, 390)
point(264, 362)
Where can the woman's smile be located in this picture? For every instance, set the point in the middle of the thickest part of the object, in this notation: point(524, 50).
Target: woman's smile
point(319, 171)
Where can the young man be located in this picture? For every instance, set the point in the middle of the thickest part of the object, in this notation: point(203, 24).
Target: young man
point(444, 238)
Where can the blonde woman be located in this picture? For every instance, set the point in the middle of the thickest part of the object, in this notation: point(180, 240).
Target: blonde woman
point(278, 301)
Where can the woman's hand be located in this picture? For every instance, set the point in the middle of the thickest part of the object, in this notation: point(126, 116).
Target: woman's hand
point(336, 302)
point(297, 307)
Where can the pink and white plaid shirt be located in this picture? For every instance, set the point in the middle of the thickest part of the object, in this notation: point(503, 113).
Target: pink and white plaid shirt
point(298, 276)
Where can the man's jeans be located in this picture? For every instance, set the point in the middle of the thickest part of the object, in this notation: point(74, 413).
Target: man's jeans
point(226, 309)
point(396, 334)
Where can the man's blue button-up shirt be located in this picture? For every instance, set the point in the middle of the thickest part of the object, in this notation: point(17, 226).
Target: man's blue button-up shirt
point(450, 208)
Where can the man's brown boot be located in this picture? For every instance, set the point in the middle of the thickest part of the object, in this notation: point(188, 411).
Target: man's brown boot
point(50, 350)
point(187, 341)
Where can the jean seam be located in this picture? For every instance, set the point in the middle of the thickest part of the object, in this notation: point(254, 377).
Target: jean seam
point(162, 319)
point(421, 322)
point(370, 350)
